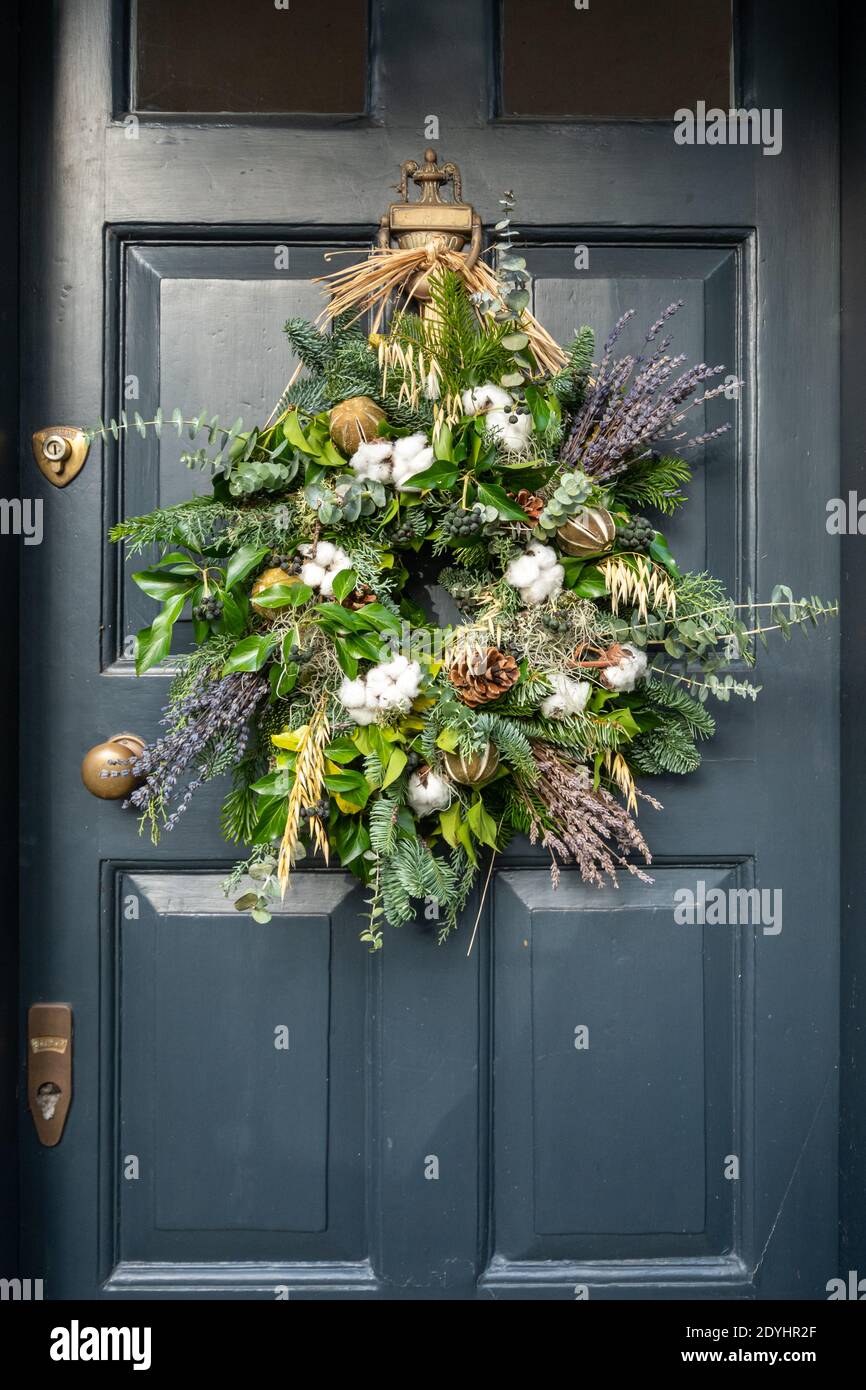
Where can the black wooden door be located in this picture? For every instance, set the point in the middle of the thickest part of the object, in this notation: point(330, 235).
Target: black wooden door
point(432, 1129)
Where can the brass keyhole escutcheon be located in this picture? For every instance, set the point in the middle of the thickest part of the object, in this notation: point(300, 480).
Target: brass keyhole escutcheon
point(49, 1069)
point(60, 452)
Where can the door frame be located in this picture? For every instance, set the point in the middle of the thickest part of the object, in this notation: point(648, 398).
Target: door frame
point(15, 434)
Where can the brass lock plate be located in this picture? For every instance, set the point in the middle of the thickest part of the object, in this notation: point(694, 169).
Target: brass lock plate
point(49, 1069)
point(60, 452)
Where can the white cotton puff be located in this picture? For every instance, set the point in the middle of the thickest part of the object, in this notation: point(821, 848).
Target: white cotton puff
point(535, 573)
point(312, 574)
point(326, 588)
point(522, 571)
point(513, 434)
point(352, 694)
point(392, 685)
point(392, 697)
point(406, 470)
point(372, 451)
point(363, 716)
point(407, 447)
point(628, 670)
point(569, 697)
point(548, 583)
point(486, 397)
point(431, 793)
point(544, 555)
point(340, 561)
point(325, 552)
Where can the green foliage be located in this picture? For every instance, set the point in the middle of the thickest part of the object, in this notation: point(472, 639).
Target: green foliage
point(653, 481)
point(466, 352)
point(570, 495)
point(569, 384)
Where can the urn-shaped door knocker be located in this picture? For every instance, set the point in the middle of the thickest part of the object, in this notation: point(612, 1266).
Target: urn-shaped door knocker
point(429, 221)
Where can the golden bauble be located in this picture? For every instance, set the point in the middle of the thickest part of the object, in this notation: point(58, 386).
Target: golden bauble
point(473, 769)
point(589, 532)
point(355, 421)
point(266, 580)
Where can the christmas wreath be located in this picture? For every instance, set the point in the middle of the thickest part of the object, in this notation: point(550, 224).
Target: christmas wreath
point(353, 723)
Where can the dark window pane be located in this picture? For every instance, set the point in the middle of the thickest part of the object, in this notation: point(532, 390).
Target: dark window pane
point(248, 55)
point(632, 59)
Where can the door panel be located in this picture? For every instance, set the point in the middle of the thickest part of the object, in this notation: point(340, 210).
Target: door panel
point(432, 1131)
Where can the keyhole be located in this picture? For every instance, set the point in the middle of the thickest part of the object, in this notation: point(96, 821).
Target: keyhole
point(56, 448)
point(47, 1098)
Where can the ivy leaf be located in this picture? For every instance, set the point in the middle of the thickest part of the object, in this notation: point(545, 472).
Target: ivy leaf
point(243, 561)
point(284, 595)
point(396, 764)
point(161, 586)
point(154, 643)
point(482, 824)
point(344, 583)
point(251, 653)
point(441, 474)
point(494, 496)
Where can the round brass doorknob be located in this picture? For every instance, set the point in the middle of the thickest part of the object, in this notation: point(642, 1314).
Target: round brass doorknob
point(107, 769)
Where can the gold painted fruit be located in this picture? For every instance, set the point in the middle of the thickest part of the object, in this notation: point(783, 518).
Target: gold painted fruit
point(354, 421)
point(266, 580)
point(472, 769)
point(588, 532)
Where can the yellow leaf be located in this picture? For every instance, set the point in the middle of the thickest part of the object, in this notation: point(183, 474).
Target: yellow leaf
point(291, 739)
point(348, 807)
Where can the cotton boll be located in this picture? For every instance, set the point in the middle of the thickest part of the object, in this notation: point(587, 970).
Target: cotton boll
point(427, 794)
point(537, 592)
point(394, 698)
point(325, 552)
point(326, 588)
point(363, 716)
point(408, 684)
point(353, 694)
point(312, 574)
point(522, 572)
point(408, 447)
point(340, 561)
point(544, 555)
point(377, 681)
point(487, 397)
point(554, 707)
point(397, 665)
point(374, 451)
point(512, 431)
point(628, 670)
point(569, 697)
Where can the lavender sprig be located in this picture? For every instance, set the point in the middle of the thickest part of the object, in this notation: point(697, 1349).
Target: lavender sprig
point(209, 731)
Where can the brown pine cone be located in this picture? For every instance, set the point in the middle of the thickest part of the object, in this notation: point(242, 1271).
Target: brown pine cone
point(483, 675)
point(359, 596)
point(530, 503)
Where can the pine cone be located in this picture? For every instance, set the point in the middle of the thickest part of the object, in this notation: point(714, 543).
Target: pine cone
point(530, 503)
point(359, 596)
point(481, 676)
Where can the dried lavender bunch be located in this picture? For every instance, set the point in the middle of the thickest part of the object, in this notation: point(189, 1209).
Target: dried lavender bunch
point(635, 399)
point(593, 830)
point(209, 732)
